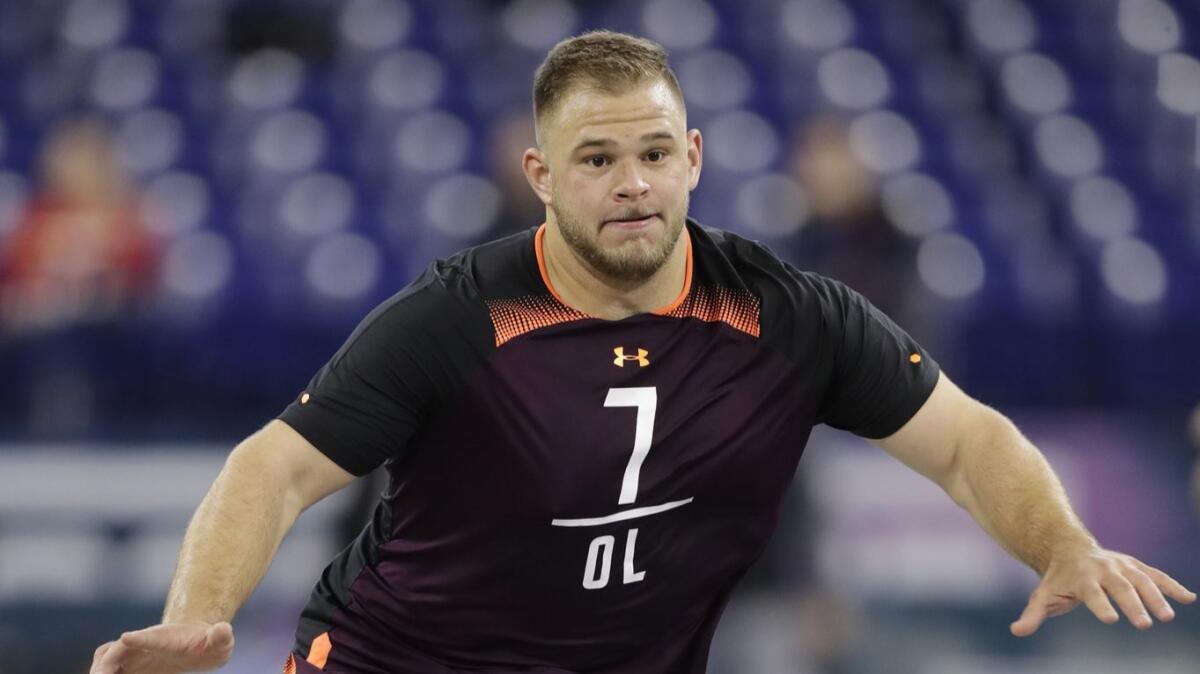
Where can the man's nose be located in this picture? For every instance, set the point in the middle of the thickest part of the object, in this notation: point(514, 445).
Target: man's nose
point(631, 183)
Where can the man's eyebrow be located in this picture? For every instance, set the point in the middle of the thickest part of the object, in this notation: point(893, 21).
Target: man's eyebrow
point(594, 142)
point(658, 135)
point(608, 142)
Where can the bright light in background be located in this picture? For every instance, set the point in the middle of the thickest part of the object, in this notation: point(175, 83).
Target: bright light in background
point(715, 79)
point(1179, 83)
point(149, 140)
point(950, 266)
point(406, 80)
point(817, 24)
point(1150, 26)
point(198, 265)
point(125, 79)
point(1103, 208)
point(1035, 83)
point(463, 205)
point(680, 24)
point(538, 24)
point(741, 141)
point(853, 78)
point(179, 202)
point(317, 203)
point(772, 205)
point(1134, 271)
point(92, 24)
point(1001, 25)
point(432, 142)
point(344, 266)
point(375, 24)
point(1068, 146)
point(884, 141)
point(917, 204)
point(289, 141)
point(267, 79)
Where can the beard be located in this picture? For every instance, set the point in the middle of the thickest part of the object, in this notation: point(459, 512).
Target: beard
point(633, 260)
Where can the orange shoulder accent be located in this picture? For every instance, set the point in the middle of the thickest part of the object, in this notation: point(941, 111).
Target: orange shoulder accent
point(519, 315)
point(736, 307)
point(318, 653)
point(289, 667)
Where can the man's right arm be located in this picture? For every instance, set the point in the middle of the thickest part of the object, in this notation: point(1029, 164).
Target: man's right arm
point(268, 480)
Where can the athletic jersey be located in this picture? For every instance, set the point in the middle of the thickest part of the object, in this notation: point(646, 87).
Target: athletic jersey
point(575, 494)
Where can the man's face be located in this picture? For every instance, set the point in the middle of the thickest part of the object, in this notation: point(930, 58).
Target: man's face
point(621, 167)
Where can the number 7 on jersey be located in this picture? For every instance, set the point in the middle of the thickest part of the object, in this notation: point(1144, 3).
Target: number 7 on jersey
point(645, 399)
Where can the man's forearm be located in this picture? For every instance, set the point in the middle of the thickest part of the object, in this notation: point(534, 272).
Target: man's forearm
point(1009, 488)
point(231, 539)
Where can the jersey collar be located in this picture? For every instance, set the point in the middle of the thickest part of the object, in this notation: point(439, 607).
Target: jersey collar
point(661, 311)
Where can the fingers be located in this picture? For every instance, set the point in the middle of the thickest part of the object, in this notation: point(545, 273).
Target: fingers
point(1097, 602)
point(98, 658)
point(1167, 584)
point(1152, 598)
point(1031, 618)
point(111, 661)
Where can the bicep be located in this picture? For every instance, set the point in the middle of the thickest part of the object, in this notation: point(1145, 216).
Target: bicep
point(929, 441)
point(302, 469)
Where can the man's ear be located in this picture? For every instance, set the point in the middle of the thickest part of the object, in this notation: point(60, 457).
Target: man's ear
point(537, 172)
point(695, 155)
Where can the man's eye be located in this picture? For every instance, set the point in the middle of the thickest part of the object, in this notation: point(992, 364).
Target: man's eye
point(597, 161)
point(656, 155)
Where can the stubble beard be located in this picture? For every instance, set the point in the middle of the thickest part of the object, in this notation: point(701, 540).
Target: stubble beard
point(631, 262)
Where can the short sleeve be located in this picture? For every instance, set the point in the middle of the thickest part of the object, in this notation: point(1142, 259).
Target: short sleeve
point(880, 376)
point(367, 402)
point(396, 371)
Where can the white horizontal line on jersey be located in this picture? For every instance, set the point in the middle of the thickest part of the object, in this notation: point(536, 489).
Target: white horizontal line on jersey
point(621, 516)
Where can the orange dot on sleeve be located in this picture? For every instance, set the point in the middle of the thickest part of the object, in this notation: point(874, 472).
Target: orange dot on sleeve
point(915, 358)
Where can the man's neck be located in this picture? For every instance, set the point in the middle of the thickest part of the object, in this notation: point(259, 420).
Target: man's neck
point(582, 287)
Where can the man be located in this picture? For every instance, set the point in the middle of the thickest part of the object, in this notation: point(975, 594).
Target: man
point(589, 428)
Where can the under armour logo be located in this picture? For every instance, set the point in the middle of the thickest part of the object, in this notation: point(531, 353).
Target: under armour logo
point(641, 358)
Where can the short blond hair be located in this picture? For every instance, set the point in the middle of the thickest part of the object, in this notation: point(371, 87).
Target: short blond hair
point(602, 59)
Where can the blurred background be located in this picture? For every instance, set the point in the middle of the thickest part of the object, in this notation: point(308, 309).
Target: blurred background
point(199, 199)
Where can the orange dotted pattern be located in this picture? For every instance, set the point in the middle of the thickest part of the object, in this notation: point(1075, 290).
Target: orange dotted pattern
point(514, 317)
point(737, 308)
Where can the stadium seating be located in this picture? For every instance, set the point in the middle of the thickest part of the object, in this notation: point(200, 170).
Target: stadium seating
point(1041, 157)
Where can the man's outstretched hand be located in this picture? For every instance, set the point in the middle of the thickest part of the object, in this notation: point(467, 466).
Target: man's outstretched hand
point(1091, 578)
point(166, 649)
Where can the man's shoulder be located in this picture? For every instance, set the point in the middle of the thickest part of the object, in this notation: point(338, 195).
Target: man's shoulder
point(448, 299)
point(732, 260)
point(735, 259)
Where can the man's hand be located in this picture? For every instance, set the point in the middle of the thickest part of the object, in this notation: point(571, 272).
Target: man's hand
point(1092, 577)
point(166, 649)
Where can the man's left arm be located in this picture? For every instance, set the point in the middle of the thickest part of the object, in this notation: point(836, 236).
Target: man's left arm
point(989, 468)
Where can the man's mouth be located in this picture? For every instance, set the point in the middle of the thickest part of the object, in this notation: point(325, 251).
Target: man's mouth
point(633, 220)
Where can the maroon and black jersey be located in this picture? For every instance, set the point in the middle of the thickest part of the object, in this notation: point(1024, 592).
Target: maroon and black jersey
point(574, 494)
